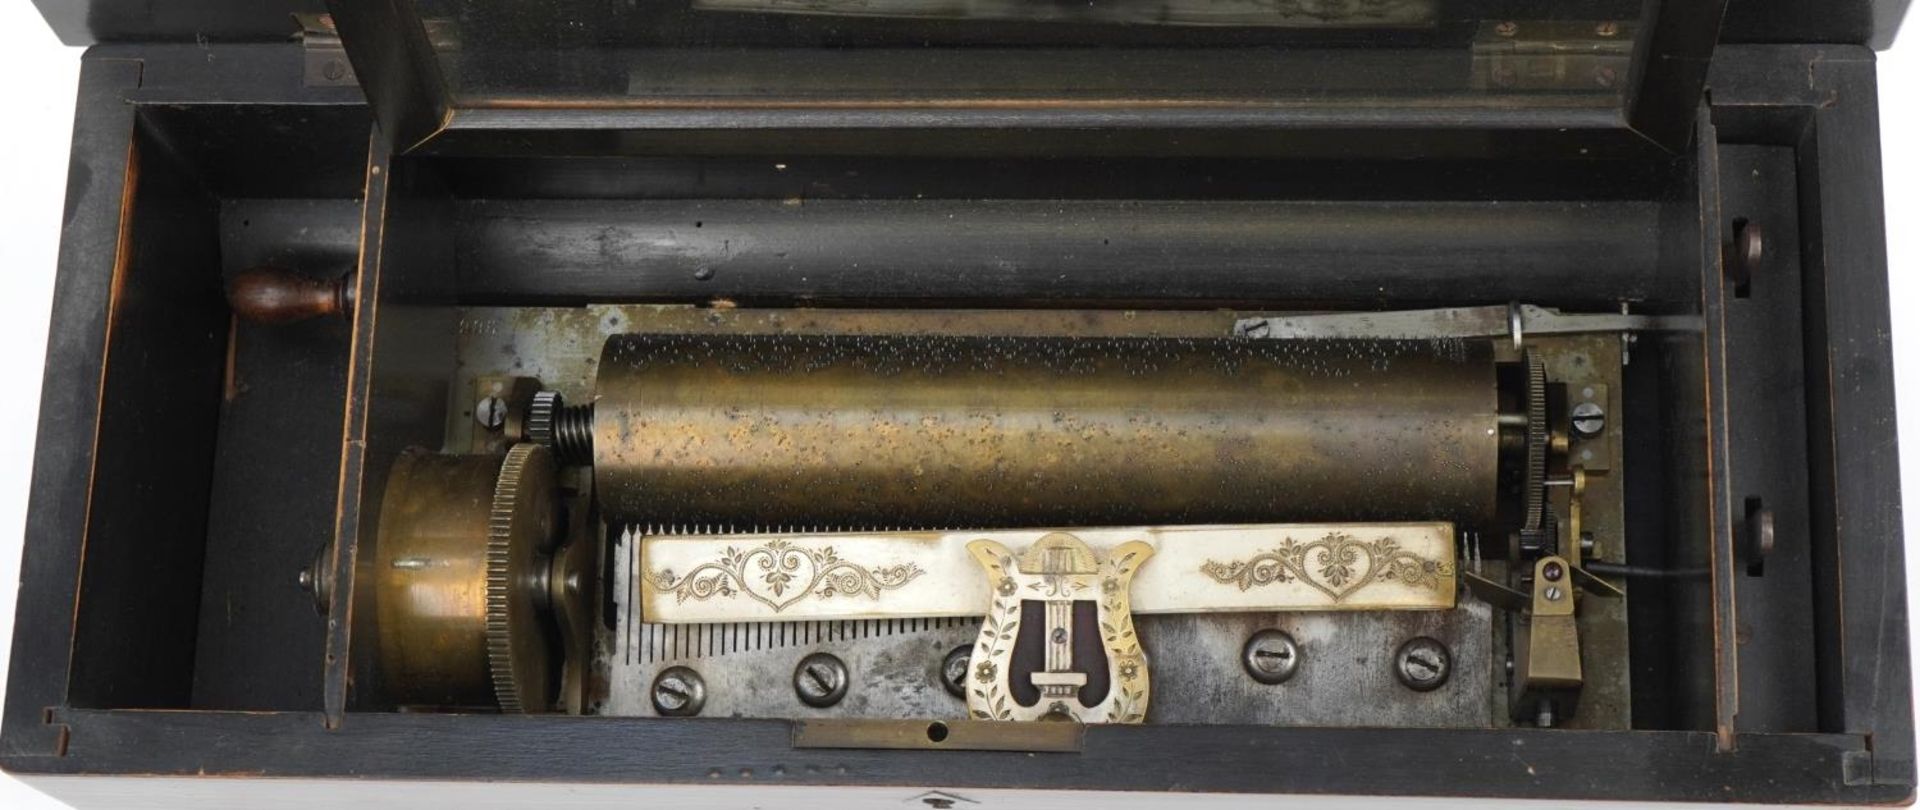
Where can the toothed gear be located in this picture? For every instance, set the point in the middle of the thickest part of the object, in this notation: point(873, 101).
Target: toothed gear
point(520, 533)
point(1535, 480)
point(1535, 543)
point(542, 415)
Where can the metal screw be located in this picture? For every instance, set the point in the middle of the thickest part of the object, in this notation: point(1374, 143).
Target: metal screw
point(1507, 29)
point(1553, 593)
point(703, 274)
point(1505, 75)
point(491, 413)
point(1607, 29)
point(679, 692)
point(1551, 571)
point(1271, 656)
point(1589, 420)
point(820, 680)
point(317, 579)
point(953, 670)
point(1605, 76)
point(1422, 664)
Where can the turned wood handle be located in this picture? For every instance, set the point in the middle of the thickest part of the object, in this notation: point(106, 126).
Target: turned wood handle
point(273, 295)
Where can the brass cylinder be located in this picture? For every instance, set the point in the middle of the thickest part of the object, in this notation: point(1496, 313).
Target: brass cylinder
point(800, 431)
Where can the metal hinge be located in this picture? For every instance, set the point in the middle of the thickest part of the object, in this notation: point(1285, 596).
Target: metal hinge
point(1566, 55)
point(326, 59)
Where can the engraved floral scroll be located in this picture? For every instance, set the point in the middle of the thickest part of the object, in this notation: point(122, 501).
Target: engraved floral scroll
point(1337, 565)
point(779, 573)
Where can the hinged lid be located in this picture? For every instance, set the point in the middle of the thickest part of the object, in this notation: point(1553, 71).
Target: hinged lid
point(1566, 74)
point(1624, 70)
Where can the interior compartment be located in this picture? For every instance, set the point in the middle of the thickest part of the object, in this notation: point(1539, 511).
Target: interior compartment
point(922, 233)
point(253, 413)
point(217, 472)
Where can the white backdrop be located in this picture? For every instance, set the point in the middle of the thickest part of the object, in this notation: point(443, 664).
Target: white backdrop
point(37, 82)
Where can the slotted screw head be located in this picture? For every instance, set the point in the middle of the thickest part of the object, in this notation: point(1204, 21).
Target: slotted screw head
point(679, 692)
point(820, 680)
point(491, 413)
point(1271, 656)
point(1422, 664)
point(1589, 420)
point(953, 670)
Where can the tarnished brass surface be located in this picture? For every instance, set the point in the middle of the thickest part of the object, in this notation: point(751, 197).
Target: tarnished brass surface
point(1546, 649)
point(765, 430)
point(446, 523)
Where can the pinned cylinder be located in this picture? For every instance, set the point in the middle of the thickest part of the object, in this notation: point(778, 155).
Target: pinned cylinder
point(747, 431)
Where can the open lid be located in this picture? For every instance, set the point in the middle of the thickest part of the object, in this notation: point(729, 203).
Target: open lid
point(1605, 68)
point(1571, 74)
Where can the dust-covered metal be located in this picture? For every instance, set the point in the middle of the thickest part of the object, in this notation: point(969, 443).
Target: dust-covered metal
point(1270, 657)
point(679, 692)
point(754, 430)
point(1422, 664)
point(477, 602)
point(821, 680)
point(459, 577)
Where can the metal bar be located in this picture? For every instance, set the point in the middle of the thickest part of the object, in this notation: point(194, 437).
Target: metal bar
point(1240, 253)
point(1515, 321)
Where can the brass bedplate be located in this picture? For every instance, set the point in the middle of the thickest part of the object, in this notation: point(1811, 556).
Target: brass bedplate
point(967, 516)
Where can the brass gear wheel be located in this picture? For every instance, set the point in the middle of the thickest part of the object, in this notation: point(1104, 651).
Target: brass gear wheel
point(461, 580)
point(1534, 480)
point(520, 537)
